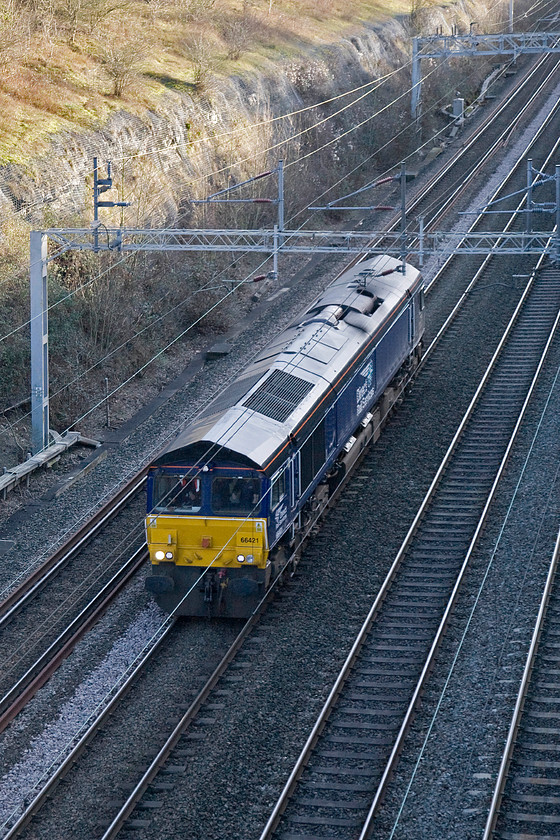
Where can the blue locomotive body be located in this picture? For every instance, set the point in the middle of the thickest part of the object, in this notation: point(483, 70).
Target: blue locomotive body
point(230, 498)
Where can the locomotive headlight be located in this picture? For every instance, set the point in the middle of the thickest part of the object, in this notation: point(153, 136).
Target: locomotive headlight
point(250, 558)
point(159, 555)
point(240, 558)
point(169, 555)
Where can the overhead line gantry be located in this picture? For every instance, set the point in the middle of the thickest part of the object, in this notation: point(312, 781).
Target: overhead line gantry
point(467, 46)
point(272, 242)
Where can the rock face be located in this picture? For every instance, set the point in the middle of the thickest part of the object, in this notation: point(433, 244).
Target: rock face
point(165, 155)
point(196, 142)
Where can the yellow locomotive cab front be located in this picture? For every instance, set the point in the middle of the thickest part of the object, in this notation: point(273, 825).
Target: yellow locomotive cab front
point(207, 541)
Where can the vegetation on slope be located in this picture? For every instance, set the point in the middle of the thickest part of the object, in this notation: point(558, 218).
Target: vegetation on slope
point(69, 63)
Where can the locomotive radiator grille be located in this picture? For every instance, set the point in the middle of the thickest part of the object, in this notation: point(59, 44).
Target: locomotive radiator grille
point(279, 395)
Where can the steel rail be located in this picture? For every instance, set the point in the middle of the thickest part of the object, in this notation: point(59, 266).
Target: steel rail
point(496, 194)
point(51, 659)
point(82, 740)
point(472, 141)
point(103, 518)
point(40, 576)
point(397, 748)
point(469, 143)
point(521, 697)
point(490, 151)
point(164, 753)
point(370, 619)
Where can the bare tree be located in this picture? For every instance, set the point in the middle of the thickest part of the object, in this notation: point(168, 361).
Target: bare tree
point(196, 9)
point(123, 62)
point(86, 14)
point(238, 33)
point(15, 27)
point(199, 51)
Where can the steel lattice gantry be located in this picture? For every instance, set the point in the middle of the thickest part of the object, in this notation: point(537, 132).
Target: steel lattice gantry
point(303, 241)
point(455, 46)
point(270, 242)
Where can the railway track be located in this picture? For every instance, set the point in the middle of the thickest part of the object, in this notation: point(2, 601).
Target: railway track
point(173, 741)
point(455, 181)
point(526, 801)
point(340, 779)
point(26, 589)
point(17, 697)
point(414, 582)
point(52, 777)
point(407, 641)
point(452, 184)
point(97, 565)
point(20, 818)
point(520, 99)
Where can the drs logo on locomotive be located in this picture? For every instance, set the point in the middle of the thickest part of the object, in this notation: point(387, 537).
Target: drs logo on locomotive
point(365, 392)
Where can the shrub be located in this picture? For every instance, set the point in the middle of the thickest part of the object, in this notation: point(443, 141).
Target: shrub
point(123, 62)
point(196, 9)
point(238, 33)
point(199, 51)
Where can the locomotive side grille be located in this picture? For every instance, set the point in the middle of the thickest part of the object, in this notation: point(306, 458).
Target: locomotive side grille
point(279, 395)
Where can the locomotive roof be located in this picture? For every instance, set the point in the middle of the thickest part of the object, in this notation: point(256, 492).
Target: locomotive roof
point(266, 405)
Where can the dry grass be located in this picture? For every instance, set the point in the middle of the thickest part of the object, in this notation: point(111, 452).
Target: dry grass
point(62, 74)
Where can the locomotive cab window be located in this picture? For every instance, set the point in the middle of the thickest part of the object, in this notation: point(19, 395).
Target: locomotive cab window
point(278, 489)
point(177, 493)
point(236, 496)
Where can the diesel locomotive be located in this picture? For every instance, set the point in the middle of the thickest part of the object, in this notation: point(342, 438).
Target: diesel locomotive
point(231, 497)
